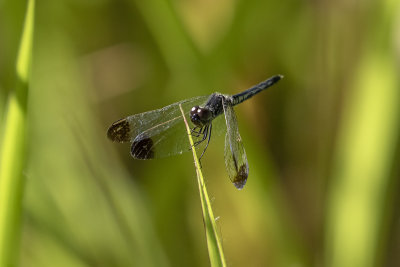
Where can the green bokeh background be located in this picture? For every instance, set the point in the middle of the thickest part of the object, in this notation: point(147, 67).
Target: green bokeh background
point(323, 144)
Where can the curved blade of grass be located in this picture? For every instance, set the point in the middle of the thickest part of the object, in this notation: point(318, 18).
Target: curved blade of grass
point(12, 151)
point(215, 251)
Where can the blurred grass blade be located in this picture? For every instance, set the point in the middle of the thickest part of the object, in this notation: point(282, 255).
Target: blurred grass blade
point(12, 150)
point(182, 52)
point(365, 154)
point(215, 251)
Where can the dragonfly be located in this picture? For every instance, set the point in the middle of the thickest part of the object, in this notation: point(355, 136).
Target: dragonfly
point(162, 133)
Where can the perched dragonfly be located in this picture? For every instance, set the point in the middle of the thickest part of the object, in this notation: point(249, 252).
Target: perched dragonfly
point(161, 133)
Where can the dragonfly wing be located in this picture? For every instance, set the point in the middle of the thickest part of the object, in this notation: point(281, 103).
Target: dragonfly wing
point(235, 155)
point(157, 133)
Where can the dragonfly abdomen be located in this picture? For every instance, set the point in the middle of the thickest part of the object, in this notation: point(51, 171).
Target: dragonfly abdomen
point(243, 96)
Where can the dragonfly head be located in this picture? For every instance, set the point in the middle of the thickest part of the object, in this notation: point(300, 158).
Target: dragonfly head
point(200, 116)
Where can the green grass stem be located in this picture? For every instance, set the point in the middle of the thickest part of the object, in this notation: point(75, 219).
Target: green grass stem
point(214, 243)
point(13, 149)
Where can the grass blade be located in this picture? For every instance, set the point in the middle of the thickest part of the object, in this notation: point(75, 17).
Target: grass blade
point(12, 151)
point(214, 244)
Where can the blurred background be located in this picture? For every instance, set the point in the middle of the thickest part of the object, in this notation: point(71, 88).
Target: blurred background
point(322, 145)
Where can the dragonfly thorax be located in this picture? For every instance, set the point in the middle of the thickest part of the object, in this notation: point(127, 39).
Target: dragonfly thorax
point(200, 116)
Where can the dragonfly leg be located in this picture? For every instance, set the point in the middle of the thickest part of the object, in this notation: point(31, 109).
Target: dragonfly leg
point(208, 141)
point(204, 133)
point(195, 132)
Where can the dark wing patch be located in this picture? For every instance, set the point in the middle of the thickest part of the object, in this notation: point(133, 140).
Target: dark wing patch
point(119, 131)
point(142, 149)
point(240, 180)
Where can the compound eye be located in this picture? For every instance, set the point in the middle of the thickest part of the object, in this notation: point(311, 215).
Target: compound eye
point(193, 111)
point(204, 114)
